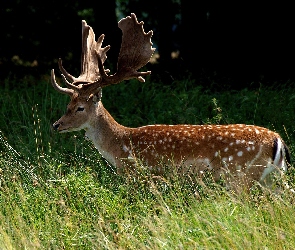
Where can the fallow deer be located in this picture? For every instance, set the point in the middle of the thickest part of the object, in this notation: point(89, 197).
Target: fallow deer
point(243, 154)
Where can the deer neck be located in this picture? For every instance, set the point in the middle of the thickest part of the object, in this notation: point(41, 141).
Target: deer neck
point(106, 134)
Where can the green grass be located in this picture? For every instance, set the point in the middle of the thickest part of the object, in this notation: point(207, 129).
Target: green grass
point(56, 192)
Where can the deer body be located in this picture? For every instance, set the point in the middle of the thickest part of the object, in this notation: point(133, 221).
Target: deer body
point(240, 153)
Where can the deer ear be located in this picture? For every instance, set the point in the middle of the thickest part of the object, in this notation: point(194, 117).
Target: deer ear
point(97, 96)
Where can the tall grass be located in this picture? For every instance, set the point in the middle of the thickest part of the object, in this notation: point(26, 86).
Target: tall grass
point(56, 192)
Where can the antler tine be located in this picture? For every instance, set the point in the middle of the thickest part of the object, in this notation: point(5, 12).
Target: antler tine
point(64, 72)
point(102, 51)
point(70, 85)
point(60, 89)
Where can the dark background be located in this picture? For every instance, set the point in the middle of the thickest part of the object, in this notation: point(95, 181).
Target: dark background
point(232, 44)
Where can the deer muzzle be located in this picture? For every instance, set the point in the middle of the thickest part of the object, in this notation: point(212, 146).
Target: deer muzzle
point(56, 125)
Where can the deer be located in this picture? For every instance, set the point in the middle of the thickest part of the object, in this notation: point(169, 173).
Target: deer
point(240, 154)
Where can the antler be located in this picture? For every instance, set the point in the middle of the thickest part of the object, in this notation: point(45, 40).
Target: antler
point(136, 51)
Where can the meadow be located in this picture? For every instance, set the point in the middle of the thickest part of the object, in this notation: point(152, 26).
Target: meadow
point(56, 192)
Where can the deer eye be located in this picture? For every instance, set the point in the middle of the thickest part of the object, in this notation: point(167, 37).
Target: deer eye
point(80, 108)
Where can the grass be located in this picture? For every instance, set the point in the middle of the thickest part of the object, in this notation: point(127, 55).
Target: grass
point(56, 192)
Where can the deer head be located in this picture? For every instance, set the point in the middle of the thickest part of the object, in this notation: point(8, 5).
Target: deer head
point(85, 90)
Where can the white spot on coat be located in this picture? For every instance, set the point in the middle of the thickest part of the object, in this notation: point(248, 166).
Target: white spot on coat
point(240, 153)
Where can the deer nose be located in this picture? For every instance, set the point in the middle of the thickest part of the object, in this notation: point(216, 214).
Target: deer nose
point(56, 125)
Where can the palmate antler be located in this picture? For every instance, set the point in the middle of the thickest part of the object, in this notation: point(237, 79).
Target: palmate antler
point(136, 51)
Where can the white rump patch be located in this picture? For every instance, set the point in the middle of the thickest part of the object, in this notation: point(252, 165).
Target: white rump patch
point(279, 160)
point(278, 153)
